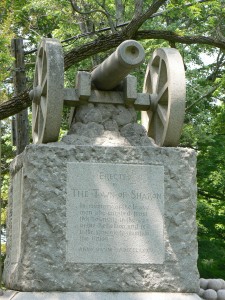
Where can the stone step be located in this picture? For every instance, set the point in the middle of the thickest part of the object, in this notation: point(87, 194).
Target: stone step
point(15, 295)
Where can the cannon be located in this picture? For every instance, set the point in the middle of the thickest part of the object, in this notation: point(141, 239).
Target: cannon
point(162, 102)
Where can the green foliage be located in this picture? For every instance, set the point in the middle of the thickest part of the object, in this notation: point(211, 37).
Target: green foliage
point(211, 238)
point(207, 136)
point(7, 154)
point(5, 37)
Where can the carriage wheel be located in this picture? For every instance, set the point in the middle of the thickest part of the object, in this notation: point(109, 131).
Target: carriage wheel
point(165, 81)
point(47, 93)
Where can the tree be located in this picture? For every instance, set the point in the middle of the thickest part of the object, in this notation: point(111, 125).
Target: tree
point(209, 141)
point(87, 28)
point(174, 22)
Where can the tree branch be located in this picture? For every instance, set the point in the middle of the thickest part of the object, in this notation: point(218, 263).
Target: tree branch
point(104, 43)
point(108, 15)
point(174, 37)
point(120, 10)
point(77, 9)
point(118, 26)
point(219, 63)
point(137, 21)
point(107, 42)
point(208, 94)
point(15, 105)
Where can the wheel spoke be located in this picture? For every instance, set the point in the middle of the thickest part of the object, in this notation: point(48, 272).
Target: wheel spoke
point(35, 115)
point(35, 120)
point(43, 68)
point(44, 86)
point(153, 79)
point(162, 112)
point(40, 126)
point(158, 129)
point(150, 123)
point(42, 118)
point(43, 106)
point(39, 65)
point(163, 94)
point(162, 75)
point(148, 82)
point(158, 75)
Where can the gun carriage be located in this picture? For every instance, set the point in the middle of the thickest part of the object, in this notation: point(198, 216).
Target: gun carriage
point(162, 101)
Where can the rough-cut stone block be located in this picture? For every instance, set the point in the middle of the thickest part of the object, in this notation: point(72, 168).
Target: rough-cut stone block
point(42, 244)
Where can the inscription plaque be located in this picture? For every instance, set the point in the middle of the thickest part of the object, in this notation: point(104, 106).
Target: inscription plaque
point(115, 213)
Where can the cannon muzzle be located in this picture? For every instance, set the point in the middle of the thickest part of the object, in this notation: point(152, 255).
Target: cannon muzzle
point(128, 55)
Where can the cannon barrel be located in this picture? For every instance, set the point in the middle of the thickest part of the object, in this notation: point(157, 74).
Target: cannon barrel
point(128, 55)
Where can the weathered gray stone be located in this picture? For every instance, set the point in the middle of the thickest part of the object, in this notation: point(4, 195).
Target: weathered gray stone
point(96, 120)
point(133, 128)
point(223, 283)
point(91, 129)
point(98, 296)
point(108, 138)
point(203, 283)
point(146, 141)
point(111, 125)
point(214, 284)
point(201, 292)
point(107, 111)
point(136, 135)
point(221, 294)
point(42, 264)
point(88, 113)
point(75, 128)
point(210, 294)
point(133, 114)
point(75, 139)
point(123, 116)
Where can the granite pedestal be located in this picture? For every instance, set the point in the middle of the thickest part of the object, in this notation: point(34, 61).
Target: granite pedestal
point(103, 219)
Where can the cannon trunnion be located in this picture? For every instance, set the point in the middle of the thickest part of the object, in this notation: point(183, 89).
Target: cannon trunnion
point(162, 101)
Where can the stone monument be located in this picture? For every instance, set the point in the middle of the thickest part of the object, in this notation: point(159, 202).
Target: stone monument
point(107, 212)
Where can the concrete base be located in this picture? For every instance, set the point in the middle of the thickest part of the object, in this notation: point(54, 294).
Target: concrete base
point(8, 295)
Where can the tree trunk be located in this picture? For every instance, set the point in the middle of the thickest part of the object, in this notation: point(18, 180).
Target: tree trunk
point(138, 8)
point(21, 124)
point(120, 10)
